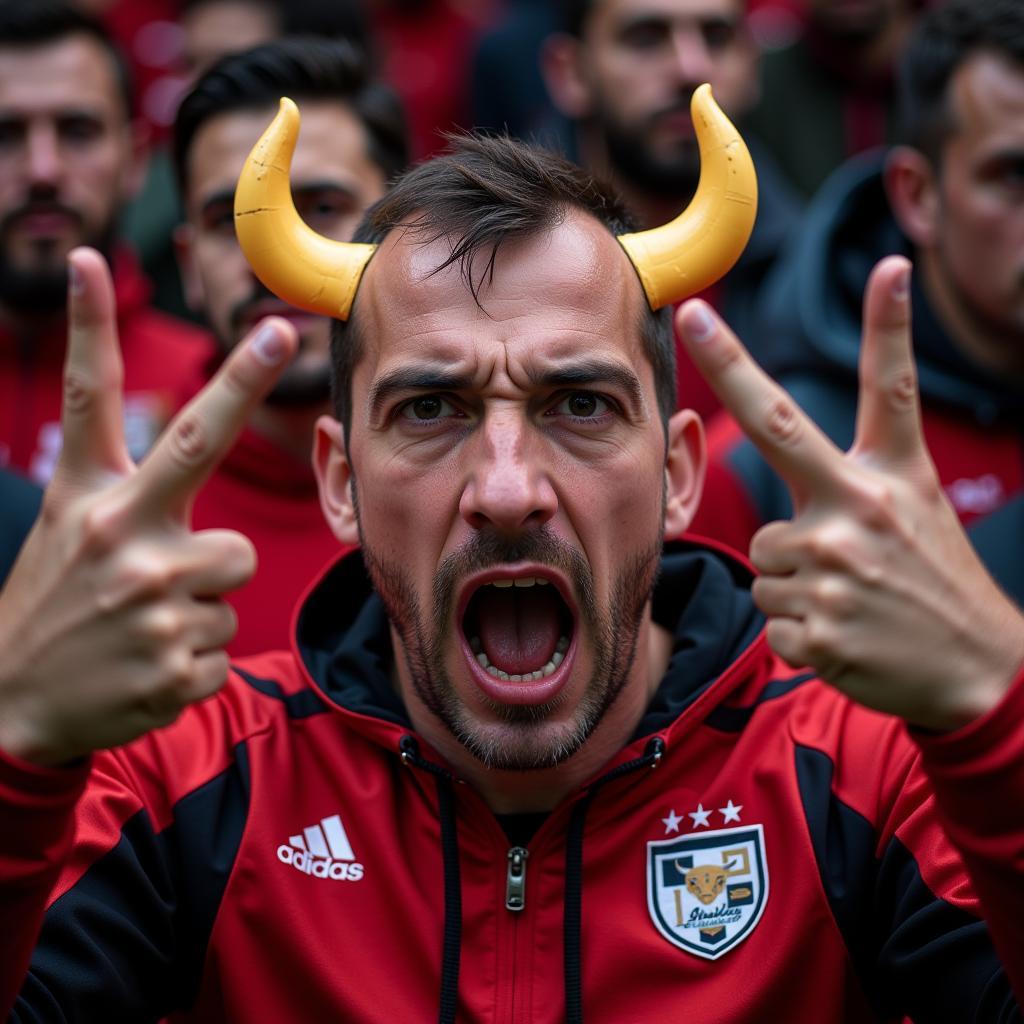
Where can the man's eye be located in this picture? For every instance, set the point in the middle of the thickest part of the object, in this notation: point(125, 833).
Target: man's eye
point(427, 407)
point(582, 405)
point(644, 35)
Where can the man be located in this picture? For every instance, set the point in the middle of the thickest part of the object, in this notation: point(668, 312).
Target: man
point(839, 74)
point(353, 142)
point(69, 158)
point(440, 805)
point(624, 71)
point(950, 196)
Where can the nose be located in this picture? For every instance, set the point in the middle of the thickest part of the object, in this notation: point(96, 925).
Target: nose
point(43, 157)
point(509, 488)
point(692, 60)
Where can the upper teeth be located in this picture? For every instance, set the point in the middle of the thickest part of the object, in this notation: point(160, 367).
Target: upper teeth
point(520, 581)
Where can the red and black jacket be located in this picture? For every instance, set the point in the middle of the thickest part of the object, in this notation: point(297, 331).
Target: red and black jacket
point(290, 850)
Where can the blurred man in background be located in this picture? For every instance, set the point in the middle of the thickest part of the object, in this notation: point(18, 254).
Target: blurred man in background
point(952, 197)
point(352, 141)
point(69, 159)
point(624, 72)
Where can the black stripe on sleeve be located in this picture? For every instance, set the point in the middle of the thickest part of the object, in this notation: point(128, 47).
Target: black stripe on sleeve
point(303, 704)
point(128, 941)
point(914, 953)
point(735, 719)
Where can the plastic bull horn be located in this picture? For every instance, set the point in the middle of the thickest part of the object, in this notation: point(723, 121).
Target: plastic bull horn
point(674, 261)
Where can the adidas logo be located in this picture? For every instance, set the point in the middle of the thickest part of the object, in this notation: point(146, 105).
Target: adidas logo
point(322, 851)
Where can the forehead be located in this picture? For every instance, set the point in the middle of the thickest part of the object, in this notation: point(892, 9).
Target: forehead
point(74, 72)
point(609, 15)
point(564, 292)
point(332, 148)
point(987, 101)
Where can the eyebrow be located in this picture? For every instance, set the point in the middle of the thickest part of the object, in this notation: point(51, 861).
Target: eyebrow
point(414, 378)
point(578, 374)
point(593, 371)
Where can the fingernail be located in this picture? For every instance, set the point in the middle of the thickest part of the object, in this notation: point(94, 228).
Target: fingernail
point(268, 345)
point(901, 284)
point(76, 282)
point(698, 323)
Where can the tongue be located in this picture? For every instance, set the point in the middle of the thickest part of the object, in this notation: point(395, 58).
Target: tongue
point(519, 626)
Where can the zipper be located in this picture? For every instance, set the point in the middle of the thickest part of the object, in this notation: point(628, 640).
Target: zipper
point(515, 879)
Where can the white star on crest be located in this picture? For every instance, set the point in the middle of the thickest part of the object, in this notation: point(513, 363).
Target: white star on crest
point(731, 811)
point(671, 823)
point(700, 816)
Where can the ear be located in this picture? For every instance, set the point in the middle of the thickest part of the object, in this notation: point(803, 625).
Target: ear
point(913, 190)
point(561, 69)
point(334, 477)
point(685, 465)
point(184, 238)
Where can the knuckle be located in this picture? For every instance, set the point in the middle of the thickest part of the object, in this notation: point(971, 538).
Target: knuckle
point(188, 441)
point(80, 394)
point(901, 390)
point(102, 528)
point(177, 672)
point(163, 628)
point(819, 640)
point(833, 544)
point(834, 597)
point(782, 424)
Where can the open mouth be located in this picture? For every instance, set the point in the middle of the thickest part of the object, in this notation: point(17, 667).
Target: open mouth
point(518, 628)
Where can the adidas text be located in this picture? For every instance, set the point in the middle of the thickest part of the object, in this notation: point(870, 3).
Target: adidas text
point(320, 867)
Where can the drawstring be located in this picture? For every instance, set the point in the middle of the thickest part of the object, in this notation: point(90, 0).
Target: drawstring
point(452, 943)
point(574, 877)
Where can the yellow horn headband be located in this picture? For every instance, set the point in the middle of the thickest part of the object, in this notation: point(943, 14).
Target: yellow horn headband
point(677, 260)
point(301, 267)
point(693, 251)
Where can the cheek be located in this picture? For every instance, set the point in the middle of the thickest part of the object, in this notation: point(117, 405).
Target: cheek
point(405, 510)
point(100, 177)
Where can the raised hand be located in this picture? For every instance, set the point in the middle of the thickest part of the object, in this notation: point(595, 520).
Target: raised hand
point(112, 621)
point(873, 583)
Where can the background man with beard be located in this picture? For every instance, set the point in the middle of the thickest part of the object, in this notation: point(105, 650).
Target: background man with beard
point(69, 158)
point(353, 142)
point(440, 803)
point(952, 196)
point(624, 71)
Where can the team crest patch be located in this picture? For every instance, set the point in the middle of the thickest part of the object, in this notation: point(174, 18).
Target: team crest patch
point(707, 891)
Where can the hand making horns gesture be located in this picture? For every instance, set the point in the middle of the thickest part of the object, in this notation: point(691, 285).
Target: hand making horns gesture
point(873, 583)
point(112, 620)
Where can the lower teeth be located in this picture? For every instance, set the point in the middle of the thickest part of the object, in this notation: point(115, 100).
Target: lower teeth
point(556, 659)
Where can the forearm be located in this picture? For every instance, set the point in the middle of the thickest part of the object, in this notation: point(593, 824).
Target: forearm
point(37, 807)
point(978, 777)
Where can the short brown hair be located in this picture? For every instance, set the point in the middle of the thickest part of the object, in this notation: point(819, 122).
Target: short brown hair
point(482, 191)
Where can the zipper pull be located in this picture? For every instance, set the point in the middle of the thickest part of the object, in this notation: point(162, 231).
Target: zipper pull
point(515, 880)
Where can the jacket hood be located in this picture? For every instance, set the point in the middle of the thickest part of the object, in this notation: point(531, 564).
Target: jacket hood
point(811, 313)
point(702, 598)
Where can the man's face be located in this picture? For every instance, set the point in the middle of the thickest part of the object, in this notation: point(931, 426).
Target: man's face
point(66, 163)
point(979, 242)
point(641, 61)
point(509, 476)
point(855, 19)
point(219, 27)
point(333, 182)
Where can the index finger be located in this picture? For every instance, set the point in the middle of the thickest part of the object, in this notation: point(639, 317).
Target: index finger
point(204, 431)
point(808, 462)
point(91, 417)
point(888, 408)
